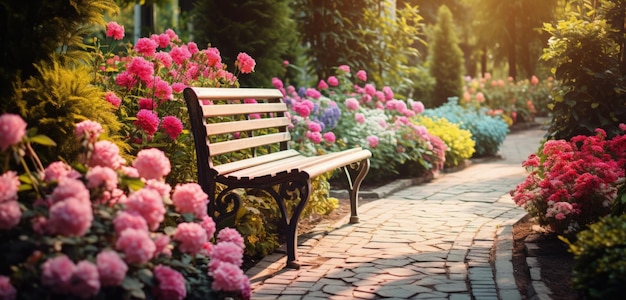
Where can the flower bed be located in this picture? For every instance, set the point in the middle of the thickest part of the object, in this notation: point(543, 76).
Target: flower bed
point(107, 229)
point(573, 183)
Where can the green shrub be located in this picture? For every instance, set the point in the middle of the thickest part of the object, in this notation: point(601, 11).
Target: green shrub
point(600, 264)
point(459, 141)
point(58, 98)
point(446, 59)
point(588, 58)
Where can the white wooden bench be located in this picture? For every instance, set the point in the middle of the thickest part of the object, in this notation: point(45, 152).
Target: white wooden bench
point(258, 155)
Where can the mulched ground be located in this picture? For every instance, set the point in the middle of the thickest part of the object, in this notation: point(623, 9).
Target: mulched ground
point(554, 261)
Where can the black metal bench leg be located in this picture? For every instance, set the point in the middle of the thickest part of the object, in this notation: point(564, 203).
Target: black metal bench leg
point(298, 189)
point(355, 174)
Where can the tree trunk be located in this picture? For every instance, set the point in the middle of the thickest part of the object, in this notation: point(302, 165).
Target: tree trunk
point(511, 28)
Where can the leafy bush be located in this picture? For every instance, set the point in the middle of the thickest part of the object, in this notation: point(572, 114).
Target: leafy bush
point(588, 58)
point(59, 97)
point(488, 132)
point(446, 59)
point(460, 145)
point(573, 183)
point(600, 268)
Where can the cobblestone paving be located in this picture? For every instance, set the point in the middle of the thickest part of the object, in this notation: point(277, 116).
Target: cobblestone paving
point(429, 241)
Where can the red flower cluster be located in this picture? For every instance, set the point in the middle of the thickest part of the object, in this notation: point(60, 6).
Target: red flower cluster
point(573, 183)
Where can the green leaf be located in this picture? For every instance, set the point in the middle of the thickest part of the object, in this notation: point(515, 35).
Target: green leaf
point(169, 230)
point(130, 284)
point(42, 140)
point(139, 294)
point(24, 178)
point(25, 187)
point(595, 105)
point(145, 275)
point(134, 184)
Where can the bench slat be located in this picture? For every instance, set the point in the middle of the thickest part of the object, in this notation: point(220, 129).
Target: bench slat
point(254, 161)
point(235, 126)
point(238, 93)
point(300, 162)
point(242, 109)
point(246, 143)
point(271, 168)
point(337, 162)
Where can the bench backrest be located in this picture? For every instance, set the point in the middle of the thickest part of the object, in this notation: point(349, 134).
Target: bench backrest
point(236, 122)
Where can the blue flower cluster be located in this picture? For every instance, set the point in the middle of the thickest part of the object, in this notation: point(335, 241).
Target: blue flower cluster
point(488, 132)
point(329, 117)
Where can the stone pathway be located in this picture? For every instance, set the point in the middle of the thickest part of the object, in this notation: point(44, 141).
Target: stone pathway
point(428, 241)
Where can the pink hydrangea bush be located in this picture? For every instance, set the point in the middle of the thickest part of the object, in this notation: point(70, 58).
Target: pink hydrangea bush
point(97, 229)
point(573, 183)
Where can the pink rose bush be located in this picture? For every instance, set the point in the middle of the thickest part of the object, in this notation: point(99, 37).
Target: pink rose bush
point(144, 83)
point(96, 229)
point(573, 183)
point(346, 111)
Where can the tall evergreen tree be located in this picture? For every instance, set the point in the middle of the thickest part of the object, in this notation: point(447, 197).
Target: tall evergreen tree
point(446, 59)
point(263, 28)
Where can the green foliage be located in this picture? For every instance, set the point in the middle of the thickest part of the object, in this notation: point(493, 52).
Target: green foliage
point(330, 30)
point(389, 41)
point(263, 29)
point(600, 268)
point(320, 202)
point(459, 141)
point(423, 83)
point(256, 221)
point(446, 59)
point(619, 206)
point(58, 98)
point(34, 30)
point(588, 59)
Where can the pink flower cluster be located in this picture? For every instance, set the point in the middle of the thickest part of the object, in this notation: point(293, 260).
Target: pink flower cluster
point(155, 71)
point(152, 164)
point(115, 30)
point(64, 277)
point(191, 237)
point(12, 130)
point(171, 283)
point(245, 63)
point(7, 291)
point(190, 198)
point(573, 183)
point(10, 213)
point(226, 259)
